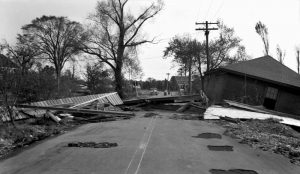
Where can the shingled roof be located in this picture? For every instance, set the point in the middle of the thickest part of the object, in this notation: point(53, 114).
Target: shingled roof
point(266, 68)
point(6, 62)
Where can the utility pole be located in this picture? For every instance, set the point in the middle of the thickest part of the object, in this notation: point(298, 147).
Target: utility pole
point(168, 88)
point(206, 33)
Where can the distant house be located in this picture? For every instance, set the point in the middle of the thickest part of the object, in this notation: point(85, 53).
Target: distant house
point(261, 81)
point(179, 83)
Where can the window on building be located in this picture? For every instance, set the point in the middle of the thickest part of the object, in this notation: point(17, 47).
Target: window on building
point(272, 93)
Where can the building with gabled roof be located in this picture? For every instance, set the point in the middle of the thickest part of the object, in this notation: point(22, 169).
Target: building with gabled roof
point(261, 81)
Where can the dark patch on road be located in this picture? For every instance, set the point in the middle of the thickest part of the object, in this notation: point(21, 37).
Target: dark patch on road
point(220, 148)
point(232, 171)
point(208, 136)
point(92, 144)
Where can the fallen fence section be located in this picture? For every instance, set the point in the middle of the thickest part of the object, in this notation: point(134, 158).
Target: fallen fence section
point(112, 98)
point(74, 110)
point(35, 109)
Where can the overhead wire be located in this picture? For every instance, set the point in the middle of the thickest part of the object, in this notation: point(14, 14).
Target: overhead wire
point(208, 10)
point(199, 10)
point(219, 9)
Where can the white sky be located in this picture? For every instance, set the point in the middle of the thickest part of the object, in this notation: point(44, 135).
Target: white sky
point(282, 17)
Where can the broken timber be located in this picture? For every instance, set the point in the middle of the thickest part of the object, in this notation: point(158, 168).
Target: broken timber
point(73, 110)
point(169, 99)
point(188, 105)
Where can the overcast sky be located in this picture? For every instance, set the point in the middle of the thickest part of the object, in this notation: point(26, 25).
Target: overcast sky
point(282, 17)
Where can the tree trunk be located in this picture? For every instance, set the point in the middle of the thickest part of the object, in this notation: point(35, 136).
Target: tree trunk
point(202, 82)
point(58, 74)
point(119, 81)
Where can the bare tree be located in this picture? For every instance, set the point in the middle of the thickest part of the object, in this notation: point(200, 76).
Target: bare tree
point(221, 48)
point(280, 54)
point(132, 67)
point(23, 53)
point(185, 52)
point(56, 38)
point(115, 29)
point(262, 30)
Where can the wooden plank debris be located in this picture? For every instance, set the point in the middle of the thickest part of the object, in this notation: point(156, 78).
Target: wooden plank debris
point(190, 104)
point(53, 117)
point(168, 99)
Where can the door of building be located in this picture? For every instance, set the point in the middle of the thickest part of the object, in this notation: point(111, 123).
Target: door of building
point(270, 98)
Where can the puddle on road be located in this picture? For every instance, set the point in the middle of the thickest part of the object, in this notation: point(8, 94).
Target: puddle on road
point(220, 148)
point(92, 144)
point(208, 136)
point(232, 171)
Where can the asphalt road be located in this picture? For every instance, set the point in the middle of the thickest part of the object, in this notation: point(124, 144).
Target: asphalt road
point(156, 145)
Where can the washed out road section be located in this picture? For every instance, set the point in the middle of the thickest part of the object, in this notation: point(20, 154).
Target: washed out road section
point(153, 145)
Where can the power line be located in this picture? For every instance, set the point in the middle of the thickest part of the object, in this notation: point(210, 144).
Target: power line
point(210, 4)
point(199, 10)
point(220, 7)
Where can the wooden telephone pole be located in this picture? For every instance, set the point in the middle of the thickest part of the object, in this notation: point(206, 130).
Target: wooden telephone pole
point(206, 33)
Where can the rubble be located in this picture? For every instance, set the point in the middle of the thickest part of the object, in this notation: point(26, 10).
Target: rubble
point(268, 135)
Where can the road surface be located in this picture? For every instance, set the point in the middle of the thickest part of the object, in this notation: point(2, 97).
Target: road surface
point(156, 145)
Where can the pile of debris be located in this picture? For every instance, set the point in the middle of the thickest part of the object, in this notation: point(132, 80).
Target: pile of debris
point(260, 128)
point(95, 108)
point(268, 135)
